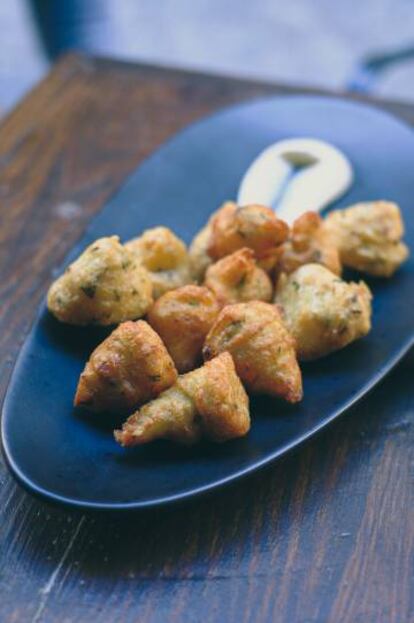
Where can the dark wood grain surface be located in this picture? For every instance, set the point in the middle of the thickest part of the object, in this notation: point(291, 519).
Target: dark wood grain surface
point(325, 536)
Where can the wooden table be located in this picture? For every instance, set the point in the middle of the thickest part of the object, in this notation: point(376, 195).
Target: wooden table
point(324, 536)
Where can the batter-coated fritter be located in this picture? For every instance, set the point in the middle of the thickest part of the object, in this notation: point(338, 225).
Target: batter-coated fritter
point(183, 318)
point(253, 226)
point(207, 402)
point(199, 257)
point(105, 285)
point(323, 312)
point(368, 236)
point(127, 369)
point(165, 257)
point(262, 349)
point(237, 278)
point(310, 241)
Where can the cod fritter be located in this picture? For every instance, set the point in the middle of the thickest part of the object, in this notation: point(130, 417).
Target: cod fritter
point(208, 402)
point(164, 256)
point(323, 312)
point(262, 349)
point(310, 241)
point(237, 278)
point(368, 236)
point(127, 369)
point(105, 285)
point(199, 257)
point(183, 318)
point(257, 227)
point(234, 227)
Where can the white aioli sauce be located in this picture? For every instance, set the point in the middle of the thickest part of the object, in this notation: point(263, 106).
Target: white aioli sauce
point(296, 175)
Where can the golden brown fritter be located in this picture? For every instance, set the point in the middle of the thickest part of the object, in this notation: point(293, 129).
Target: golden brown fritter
point(368, 236)
point(208, 402)
point(127, 369)
point(105, 285)
point(165, 257)
point(231, 228)
point(183, 318)
point(262, 349)
point(237, 278)
point(253, 226)
point(321, 311)
point(310, 242)
point(199, 258)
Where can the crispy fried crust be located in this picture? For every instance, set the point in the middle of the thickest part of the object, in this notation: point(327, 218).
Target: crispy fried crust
point(199, 258)
point(104, 286)
point(208, 402)
point(310, 242)
point(368, 236)
point(128, 368)
point(262, 349)
point(253, 226)
point(237, 278)
point(183, 318)
point(165, 257)
point(323, 312)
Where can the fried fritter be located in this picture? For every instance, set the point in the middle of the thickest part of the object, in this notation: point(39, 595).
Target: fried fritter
point(208, 402)
point(321, 311)
point(127, 369)
point(237, 278)
point(262, 349)
point(232, 228)
point(368, 236)
point(199, 258)
point(105, 285)
point(183, 318)
point(310, 242)
point(164, 256)
point(253, 226)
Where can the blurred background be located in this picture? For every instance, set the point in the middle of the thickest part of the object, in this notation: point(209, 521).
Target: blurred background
point(363, 45)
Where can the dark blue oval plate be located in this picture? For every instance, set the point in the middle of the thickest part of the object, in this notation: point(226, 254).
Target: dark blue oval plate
point(71, 458)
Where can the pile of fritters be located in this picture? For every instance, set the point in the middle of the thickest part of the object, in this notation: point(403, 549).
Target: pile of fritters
point(250, 298)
